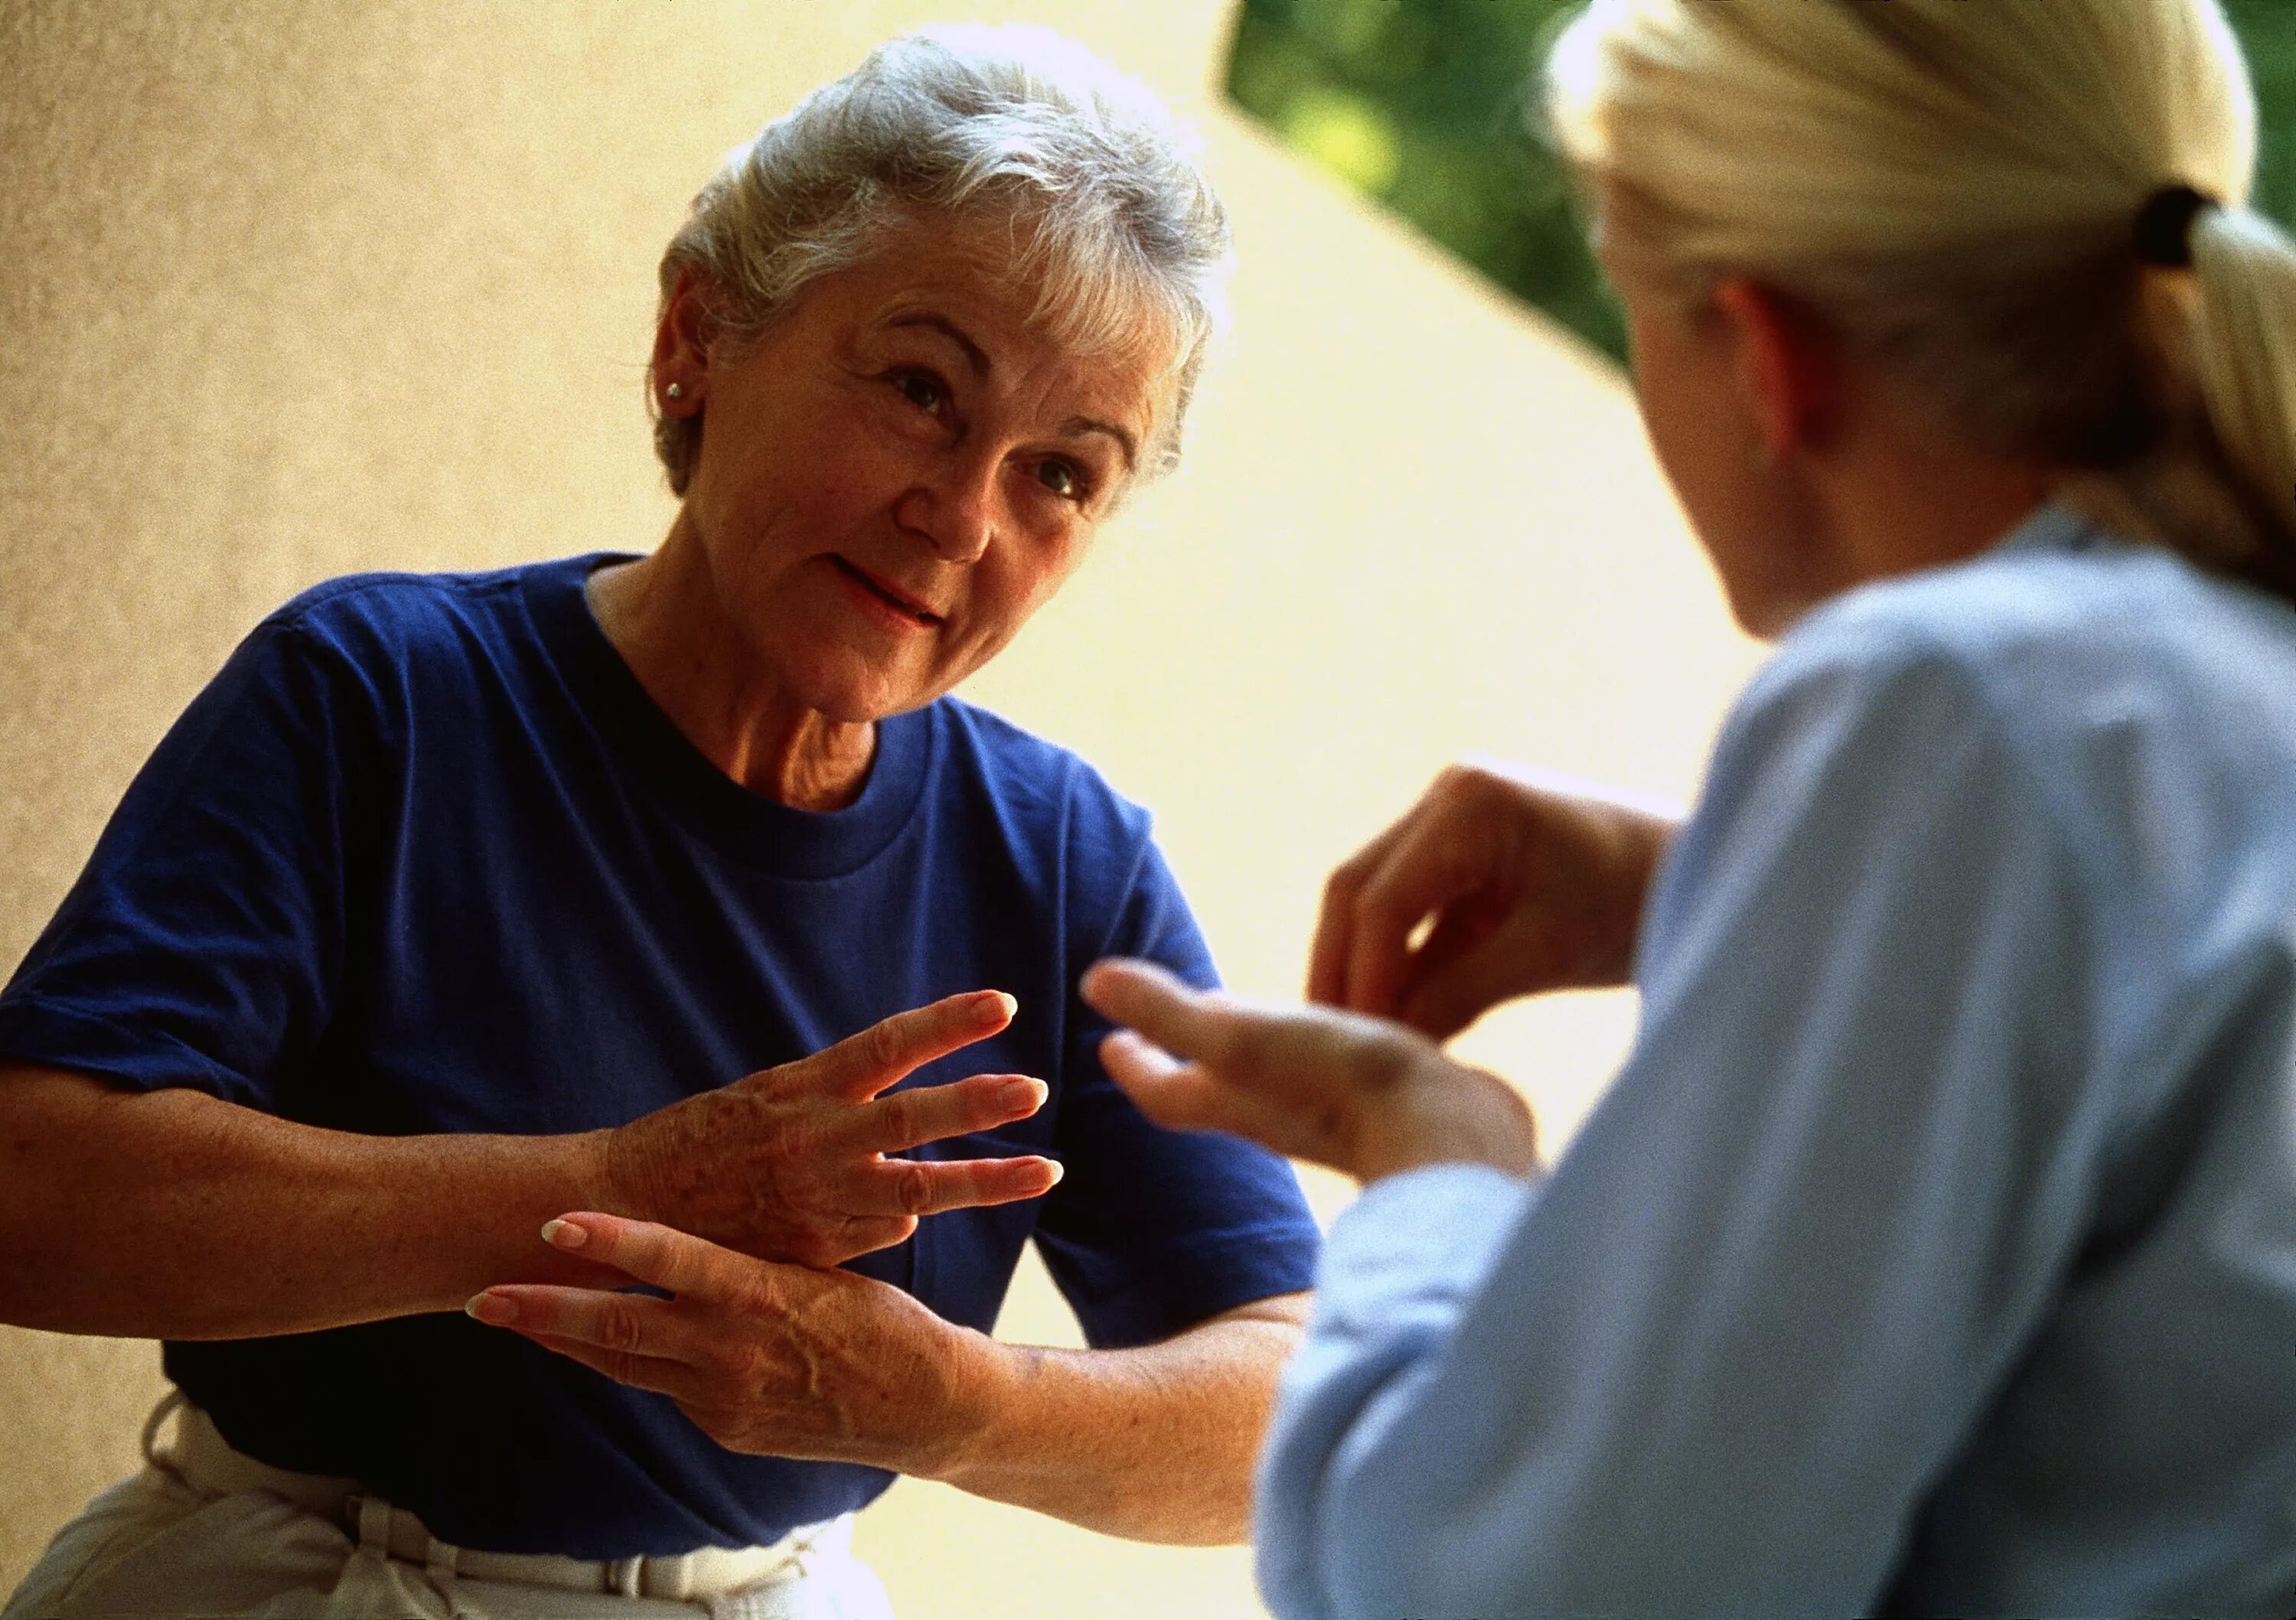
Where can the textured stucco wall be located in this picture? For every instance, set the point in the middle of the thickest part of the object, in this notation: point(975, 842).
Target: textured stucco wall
point(295, 289)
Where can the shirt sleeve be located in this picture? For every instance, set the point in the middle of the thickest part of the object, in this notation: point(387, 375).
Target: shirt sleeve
point(1712, 1363)
point(202, 944)
point(1151, 1230)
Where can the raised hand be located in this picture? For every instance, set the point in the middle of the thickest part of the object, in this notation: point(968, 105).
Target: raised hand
point(792, 1164)
point(1362, 1095)
point(1497, 883)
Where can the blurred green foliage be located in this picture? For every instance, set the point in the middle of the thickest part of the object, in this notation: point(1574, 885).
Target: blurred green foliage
point(1424, 105)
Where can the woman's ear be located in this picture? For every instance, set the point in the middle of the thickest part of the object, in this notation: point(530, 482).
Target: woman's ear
point(1788, 362)
point(681, 354)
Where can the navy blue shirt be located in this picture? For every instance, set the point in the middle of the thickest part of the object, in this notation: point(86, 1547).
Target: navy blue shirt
point(425, 857)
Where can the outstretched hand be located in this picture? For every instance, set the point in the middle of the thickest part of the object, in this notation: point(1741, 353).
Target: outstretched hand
point(774, 1360)
point(1361, 1095)
point(799, 1163)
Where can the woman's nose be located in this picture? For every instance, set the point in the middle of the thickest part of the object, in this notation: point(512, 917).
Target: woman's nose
point(955, 510)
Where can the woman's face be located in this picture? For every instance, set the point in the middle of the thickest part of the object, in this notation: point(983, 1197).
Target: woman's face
point(903, 468)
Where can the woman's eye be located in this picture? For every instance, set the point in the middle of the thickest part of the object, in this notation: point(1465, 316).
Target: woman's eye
point(921, 391)
point(1062, 480)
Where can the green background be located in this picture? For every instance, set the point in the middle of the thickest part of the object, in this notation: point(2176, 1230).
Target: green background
point(1421, 103)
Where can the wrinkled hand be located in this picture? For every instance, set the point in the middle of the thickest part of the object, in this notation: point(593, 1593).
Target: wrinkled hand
point(1361, 1095)
point(1520, 886)
point(792, 1163)
point(776, 1359)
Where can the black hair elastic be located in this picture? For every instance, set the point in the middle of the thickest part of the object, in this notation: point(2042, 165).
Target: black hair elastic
point(2164, 226)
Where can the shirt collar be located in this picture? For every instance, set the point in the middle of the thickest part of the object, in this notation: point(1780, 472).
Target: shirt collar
point(2052, 527)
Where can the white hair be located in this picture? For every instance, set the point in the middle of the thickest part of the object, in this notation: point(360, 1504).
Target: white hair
point(1113, 217)
point(1957, 186)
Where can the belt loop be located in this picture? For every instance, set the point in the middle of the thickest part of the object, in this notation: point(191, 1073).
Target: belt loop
point(170, 1403)
point(627, 1576)
point(374, 1525)
point(438, 1559)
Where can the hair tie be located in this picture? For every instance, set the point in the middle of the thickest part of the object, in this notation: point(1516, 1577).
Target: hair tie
point(2164, 226)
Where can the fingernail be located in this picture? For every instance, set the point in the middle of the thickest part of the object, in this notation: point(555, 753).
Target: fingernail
point(1059, 1170)
point(565, 1234)
point(492, 1309)
point(997, 1008)
point(1030, 1093)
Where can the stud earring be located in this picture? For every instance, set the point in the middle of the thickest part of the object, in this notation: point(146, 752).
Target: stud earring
point(674, 390)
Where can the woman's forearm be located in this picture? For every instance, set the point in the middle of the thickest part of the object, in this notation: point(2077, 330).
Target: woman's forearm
point(175, 1215)
point(1153, 1444)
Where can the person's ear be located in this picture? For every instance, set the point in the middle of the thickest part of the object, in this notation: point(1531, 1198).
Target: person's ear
point(1788, 364)
point(680, 350)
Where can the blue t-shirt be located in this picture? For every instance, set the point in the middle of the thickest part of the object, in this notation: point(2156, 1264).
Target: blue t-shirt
point(425, 857)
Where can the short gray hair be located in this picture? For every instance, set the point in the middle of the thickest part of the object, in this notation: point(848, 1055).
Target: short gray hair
point(1116, 222)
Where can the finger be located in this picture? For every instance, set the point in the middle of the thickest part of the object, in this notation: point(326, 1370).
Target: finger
point(634, 1325)
point(1188, 1096)
point(924, 1187)
point(1432, 866)
point(930, 1113)
point(1327, 957)
point(887, 1051)
point(1143, 997)
point(672, 1379)
point(684, 1264)
point(1468, 964)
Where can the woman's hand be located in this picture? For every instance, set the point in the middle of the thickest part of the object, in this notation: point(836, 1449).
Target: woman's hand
point(791, 1163)
point(1359, 1094)
point(1520, 886)
point(776, 1359)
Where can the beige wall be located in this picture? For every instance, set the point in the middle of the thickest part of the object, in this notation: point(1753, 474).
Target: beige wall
point(293, 289)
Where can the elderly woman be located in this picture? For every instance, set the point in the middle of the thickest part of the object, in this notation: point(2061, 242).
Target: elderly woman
point(673, 891)
point(1935, 1252)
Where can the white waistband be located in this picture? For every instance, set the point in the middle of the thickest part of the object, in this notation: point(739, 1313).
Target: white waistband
point(205, 1460)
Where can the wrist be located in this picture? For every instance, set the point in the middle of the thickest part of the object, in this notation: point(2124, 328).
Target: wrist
point(1446, 1112)
point(982, 1379)
point(1641, 846)
point(611, 1165)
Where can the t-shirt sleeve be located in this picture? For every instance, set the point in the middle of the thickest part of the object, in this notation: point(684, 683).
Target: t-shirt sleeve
point(1153, 1230)
point(202, 944)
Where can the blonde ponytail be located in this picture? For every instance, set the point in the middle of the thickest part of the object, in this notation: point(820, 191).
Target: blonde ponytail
point(1957, 185)
point(2243, 348)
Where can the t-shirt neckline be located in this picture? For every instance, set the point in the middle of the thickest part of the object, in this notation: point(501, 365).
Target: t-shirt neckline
point(661, 761)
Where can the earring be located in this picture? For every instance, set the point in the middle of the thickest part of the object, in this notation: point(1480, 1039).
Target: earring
point(673, 390)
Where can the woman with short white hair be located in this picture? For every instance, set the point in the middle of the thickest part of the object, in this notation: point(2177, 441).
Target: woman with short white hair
point(1935, 1250)
point(420, 969)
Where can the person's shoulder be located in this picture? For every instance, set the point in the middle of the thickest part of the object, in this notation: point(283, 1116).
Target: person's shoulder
point(1036, 784)
point(383, 614)
point(2096, 682)
point(2044, 620)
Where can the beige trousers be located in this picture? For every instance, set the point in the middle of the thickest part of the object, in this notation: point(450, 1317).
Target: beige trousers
point(158, 1544)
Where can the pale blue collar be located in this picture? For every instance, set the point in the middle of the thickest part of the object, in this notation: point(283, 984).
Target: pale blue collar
point(2052, 527)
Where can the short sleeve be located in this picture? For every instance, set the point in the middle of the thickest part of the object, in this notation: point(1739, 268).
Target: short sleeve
point(1153, 1230)
point(203, 942)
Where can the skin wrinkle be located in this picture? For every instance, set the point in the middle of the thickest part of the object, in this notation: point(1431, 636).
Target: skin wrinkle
point(735, 625)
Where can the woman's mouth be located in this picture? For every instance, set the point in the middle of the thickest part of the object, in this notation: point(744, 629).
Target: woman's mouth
point(907, 614)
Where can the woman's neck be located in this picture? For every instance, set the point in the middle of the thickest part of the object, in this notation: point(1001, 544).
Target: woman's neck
point(663, 615)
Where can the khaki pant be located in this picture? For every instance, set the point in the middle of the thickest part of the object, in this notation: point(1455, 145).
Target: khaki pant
point(159, 1544)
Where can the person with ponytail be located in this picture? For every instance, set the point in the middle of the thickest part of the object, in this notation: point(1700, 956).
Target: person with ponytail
point(1935, 1250)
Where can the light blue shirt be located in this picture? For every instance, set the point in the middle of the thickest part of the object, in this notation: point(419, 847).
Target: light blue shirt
point(1935, 1251)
